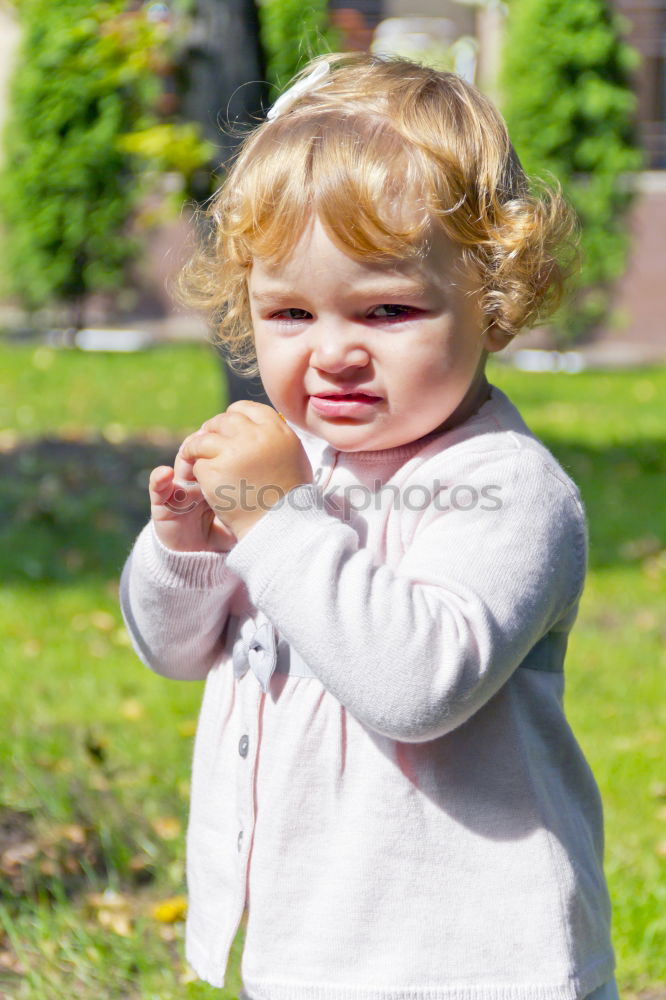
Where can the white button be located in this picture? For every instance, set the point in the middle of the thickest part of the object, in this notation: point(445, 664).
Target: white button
point(240, 840)
point(243, 745)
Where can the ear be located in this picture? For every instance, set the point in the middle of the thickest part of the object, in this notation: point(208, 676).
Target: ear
point(495, 339)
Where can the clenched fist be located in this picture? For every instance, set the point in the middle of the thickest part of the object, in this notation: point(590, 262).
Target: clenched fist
point(245, 461)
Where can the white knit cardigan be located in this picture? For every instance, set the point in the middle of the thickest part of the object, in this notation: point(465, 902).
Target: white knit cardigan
point(383, 775)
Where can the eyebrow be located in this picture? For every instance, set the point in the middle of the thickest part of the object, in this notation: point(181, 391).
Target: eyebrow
point(379, 292)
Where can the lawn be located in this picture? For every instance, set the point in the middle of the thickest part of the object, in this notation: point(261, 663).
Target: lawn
point(95, 750)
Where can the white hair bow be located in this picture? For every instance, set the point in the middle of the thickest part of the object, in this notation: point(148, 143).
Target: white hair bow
point(301, 87)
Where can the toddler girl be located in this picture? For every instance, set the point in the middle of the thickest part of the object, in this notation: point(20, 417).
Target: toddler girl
point(378, 581)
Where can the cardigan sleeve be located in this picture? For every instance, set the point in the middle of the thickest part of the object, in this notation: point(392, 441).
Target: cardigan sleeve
point(175, 606)
point(413, 651)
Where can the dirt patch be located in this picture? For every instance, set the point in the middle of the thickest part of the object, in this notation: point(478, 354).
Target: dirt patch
point(33, 859)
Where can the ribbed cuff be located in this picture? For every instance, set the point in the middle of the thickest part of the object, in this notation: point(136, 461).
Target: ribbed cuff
point(167, 568)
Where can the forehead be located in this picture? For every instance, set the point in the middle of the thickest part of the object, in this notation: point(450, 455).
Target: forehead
point(318, 259)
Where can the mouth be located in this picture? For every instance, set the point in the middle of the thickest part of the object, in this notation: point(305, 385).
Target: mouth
point(343, 404)
point(349, 396)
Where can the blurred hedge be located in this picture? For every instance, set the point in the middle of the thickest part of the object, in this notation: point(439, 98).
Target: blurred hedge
point(66, 191)
point(82, 132)
point(569, 104)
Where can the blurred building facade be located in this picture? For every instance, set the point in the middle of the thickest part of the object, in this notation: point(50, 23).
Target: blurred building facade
point(646, 21)
point(640, 298)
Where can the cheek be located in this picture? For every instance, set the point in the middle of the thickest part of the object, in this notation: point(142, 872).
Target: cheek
point(264, 347)
point(278, 366)
point(459, 347)
point(440, 376)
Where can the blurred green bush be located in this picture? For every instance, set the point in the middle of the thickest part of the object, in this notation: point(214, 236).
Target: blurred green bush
point(83, 127)
point(567, 97)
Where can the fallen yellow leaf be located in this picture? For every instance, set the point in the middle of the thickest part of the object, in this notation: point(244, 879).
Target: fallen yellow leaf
point(18, 854)
point(170, 911)
point(140, 863)
point(112, 911)
point(73, 832)
point(119, 923)
point(108, 899)
point(167, 827)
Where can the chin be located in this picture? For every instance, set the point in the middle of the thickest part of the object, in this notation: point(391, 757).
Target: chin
point(351, 442)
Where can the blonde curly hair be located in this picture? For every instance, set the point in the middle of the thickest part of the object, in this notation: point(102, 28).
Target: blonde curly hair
point(382, 149)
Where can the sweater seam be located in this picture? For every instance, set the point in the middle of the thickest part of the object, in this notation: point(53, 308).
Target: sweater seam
point(580, 539)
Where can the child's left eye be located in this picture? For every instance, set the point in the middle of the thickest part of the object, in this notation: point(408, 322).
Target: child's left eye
point(292, 314)
point(390, 310)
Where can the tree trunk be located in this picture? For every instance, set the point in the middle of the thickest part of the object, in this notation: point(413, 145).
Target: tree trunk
point(225, 90)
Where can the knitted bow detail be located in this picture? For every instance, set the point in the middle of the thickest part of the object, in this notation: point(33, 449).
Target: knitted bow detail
point(257, 653)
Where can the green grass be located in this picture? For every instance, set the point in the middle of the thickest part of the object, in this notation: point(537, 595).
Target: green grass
point(95, 747)
point(95, 750)
point(46, 391)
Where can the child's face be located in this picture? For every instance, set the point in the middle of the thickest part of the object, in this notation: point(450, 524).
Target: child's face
point(366, 356)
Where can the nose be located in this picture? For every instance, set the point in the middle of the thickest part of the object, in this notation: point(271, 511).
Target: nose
point(336, 347)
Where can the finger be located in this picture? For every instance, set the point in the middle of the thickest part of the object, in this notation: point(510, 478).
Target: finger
point(160, 484)
point(184, 470)
point(257, 412)
point(210, 423)
point(206, 445)
point(223, 423)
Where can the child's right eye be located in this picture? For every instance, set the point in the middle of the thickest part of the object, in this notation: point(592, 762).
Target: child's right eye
point(291, 314)
point(390, 311)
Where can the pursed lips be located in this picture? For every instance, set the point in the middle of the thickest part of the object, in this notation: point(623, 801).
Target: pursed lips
point(351, 394)
point(353, 403)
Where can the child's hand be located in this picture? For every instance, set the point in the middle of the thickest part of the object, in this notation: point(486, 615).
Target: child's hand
point(245, 460)
point(183, 520)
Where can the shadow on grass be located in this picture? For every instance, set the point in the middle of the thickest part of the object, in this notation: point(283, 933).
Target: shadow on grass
point(70, 510)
